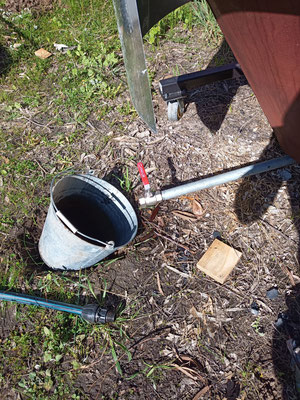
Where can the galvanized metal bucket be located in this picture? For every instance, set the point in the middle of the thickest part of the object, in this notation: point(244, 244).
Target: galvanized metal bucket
point(88, 219)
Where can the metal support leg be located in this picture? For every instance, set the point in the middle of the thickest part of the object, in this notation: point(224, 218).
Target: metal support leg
point(173, 90)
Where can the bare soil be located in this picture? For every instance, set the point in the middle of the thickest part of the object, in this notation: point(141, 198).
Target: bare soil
point(38, 6)
point(205, 328)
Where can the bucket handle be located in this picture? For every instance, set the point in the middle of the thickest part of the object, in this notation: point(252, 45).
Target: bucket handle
point(108, 245)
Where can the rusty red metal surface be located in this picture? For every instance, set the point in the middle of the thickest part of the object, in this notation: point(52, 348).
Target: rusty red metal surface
point(264, 36)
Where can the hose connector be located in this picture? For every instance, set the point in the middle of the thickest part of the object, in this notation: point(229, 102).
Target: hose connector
point(151, 200)
point(95, 314)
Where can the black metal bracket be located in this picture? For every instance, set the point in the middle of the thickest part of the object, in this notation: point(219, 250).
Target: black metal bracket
point(177, 87)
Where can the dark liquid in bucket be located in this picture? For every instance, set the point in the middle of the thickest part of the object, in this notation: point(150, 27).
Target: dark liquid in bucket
point(88, 217)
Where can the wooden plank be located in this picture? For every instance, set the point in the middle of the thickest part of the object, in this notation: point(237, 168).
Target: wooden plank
point(219, 260)
point(42, 53)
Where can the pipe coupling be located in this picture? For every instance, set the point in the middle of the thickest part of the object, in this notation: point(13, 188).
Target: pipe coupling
point(151, 200)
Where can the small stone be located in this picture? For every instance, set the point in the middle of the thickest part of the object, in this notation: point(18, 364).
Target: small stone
point(282, 318)
point(143, 134)
point(284, 174)
point(279, 322)
point(272, 293)
point(216, 234)
point(254, 308)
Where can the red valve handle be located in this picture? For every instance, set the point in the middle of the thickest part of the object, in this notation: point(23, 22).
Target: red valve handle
point(143, 174)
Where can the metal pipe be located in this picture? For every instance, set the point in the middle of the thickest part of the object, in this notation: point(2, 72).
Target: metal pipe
point(216, 180)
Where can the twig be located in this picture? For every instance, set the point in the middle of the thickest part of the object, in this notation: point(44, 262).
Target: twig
point(174, 241)
point(165, 236)
point(94, 362)
point(158, 284)
point(35, 122)
point(150, 336)
point(43, 170)
point(122, 356)
point(277, 230)
point(183, 274)
point(201, 393)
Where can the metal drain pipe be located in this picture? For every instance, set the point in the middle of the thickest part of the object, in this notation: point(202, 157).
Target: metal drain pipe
point(216, 180)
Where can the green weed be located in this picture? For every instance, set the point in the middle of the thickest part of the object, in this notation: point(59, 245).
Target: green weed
point(125, 181)
point(198, 13)
point(166, 26)
point(207, 21)
point(154, 372)
point(257, 327)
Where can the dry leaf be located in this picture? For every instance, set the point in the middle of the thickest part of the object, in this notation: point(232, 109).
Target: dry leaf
point(197, 208)
point(159, 285)
point(201, 393)
point(185, 371)
point(192, 361)
point(42, 53)
point(188, 197)
point(154, 213)
point(187, 216)
point(208, 306)
point(187, 231)
point(160, 222)
point(146, 237)
point(195, 313)
point(5, 159)
point(191, 373)
point(289, 274)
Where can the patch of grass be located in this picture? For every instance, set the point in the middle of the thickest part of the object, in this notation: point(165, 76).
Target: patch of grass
point(197, 13)
point(13, 269)
point(63, 338)
point(205, 18)
point(80, 80)
point(34, 374)
point(165, 27)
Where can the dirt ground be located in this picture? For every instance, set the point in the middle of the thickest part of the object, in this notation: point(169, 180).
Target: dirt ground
point(218, 348)
point(235, 354)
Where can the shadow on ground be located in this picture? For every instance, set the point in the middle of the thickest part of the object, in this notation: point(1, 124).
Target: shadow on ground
point(5, 60)
point(254, 196)
point(288, 329)
point(213, 100)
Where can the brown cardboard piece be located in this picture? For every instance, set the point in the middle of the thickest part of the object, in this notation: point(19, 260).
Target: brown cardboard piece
point(42, 53)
